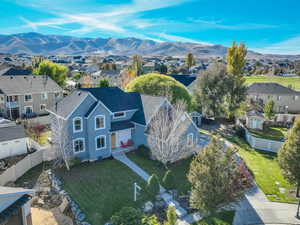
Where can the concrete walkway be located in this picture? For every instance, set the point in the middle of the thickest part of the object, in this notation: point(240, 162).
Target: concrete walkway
point(257, 209)
point(181, 212)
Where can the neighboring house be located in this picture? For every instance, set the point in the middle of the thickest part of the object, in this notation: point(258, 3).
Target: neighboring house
point(13, 139)
point(15, 208)
point(14, 71)
point(149, 67)
point(286, 100)
point(25, 96)
point(113, 76)
point(186, 80)
point(255, 120)
point(101, 121)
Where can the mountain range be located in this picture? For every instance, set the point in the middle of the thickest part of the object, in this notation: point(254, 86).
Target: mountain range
point(36, 43)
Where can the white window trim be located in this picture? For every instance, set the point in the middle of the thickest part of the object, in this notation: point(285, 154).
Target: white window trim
point(117, 117)
point(192, 139)
point(100, 116)
point(41, 107)
point(28, 106)
point(43, 95)
point(104, 142)
point(81, 127)
point(78, 139)
point(25, 98)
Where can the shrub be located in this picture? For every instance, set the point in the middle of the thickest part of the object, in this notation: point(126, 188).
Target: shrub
point(160, 85)
point(153, 185)
point(240, 132)
point(171, 216)
point(143, 151)
point(168, 180)
point(128, 216)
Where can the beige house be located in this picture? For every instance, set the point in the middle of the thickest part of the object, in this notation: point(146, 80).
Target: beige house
point(286, 100)
point(255, 120)
point(22, 96)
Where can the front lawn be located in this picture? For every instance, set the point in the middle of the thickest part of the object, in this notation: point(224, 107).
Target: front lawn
point(224, 218)
point(285, 81)
point(101, 188)
point(272, 133)
point(180, 170)
point(266, 172)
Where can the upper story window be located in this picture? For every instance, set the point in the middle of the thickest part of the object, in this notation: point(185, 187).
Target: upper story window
point(99, 122)
point(13, 98)
point(45, 96)
point(296, 97)
point(77, 124)
point(78, 145)
point(1, 99)
point(119, 114)
point(190, 140)
point(42, 107)
point(28, 98)
point(278, 98)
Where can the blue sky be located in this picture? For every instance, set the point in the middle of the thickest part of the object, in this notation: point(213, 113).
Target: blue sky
point(267, 26)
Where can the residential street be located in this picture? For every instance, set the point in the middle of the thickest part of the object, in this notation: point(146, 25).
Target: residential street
point(257, 209)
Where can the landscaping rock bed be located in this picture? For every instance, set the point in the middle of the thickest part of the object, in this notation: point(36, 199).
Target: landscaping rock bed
point(78, 214)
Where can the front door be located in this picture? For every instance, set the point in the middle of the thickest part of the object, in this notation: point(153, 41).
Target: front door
point(113, 140)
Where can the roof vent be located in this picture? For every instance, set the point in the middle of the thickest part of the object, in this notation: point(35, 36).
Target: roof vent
point(11, 77)
point(79, 93)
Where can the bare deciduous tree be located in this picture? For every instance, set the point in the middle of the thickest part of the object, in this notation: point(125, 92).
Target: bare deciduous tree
point(61, 141)
point(167, 134)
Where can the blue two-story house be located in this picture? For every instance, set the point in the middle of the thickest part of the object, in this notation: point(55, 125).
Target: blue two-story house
point(105, 120)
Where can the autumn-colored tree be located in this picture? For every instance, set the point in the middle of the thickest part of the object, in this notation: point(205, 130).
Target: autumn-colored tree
point(217, 177)
point(269, 110)
point(236, 59)
point(190, 60)
point(126, 77)
point(87, 82)
point(289, 156)
point(56, 72)
point(137, 64)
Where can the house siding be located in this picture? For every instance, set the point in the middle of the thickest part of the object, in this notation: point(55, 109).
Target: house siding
point(138, 135)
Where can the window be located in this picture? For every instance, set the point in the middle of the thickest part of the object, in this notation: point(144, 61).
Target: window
point(77, 124)
point(12, 98)
point(78, 145)
point(28, 109)
point(43, 107)
point(119, 114)
point(45, 96)
point(28, 98)
point(100, 142)
point(278, 98)
point(296, 97)
point(99, 122)
point(190, 140)
point(1, 99)
point(56, 95)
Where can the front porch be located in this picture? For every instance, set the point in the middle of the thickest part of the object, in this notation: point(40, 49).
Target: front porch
point(121, 140)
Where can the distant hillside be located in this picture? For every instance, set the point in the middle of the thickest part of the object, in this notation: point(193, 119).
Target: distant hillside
point(35, 43)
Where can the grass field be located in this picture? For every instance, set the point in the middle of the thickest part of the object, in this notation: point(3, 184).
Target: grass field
point(102, 188)
point(266, 171)
point(273, 133)
point(224, 218)
point(180, 169)
point(285, 81)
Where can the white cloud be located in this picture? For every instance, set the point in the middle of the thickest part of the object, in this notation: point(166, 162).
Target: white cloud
point(169, 37)
point(290, 47)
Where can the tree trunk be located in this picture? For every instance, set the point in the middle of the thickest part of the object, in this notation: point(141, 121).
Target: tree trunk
point(297, 193)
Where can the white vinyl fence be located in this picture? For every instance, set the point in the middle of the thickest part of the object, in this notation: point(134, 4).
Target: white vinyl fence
point(30, 161)
point(261, 143)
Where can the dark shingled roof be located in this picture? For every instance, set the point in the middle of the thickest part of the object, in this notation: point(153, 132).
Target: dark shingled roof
point(12, 71)
point(12, 132)
point(270, 88)
point(115, 99)
point(121, 125)
point(186, 80)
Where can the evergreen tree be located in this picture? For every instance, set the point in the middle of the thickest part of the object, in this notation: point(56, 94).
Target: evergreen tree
point(289, 156)
point(269, 110)
point(153, 185)
point(168, 180)
point(217, 178)
point(103, 83)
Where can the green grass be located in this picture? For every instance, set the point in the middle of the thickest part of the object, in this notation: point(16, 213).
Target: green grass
point(273, 133)
point(224, 218)
point(266, 171)
point(285, 81)
point(102, 188)
point(180, 170)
